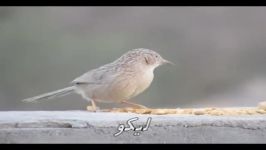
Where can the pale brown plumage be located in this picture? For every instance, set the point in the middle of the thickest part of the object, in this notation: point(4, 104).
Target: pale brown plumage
point(117, 81)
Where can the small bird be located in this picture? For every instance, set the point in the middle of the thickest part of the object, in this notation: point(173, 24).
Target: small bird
point(118, 81)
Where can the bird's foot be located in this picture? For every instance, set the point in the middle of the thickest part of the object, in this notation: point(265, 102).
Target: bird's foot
point(92, 109)
point(134, 105)
point(141, 106)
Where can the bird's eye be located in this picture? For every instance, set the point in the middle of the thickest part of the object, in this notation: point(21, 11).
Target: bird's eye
point(156, 56)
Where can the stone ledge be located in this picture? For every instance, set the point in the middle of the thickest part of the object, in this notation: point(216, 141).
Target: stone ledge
point(100, 127)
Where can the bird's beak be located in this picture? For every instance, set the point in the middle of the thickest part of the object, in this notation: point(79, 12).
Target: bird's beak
point(167, 62)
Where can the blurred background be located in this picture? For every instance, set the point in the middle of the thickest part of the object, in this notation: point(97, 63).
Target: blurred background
point(220, 53)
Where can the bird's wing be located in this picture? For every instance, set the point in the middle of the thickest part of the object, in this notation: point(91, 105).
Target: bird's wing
point(86, 78)
point(95, 76)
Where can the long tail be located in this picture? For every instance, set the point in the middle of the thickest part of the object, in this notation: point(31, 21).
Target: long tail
point(50, 95)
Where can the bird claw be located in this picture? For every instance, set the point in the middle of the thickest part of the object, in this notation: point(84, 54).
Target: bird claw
point(92, 109)
point(142, 107)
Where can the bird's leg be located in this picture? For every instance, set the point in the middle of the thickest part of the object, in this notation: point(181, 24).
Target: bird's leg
point(93, 106)
point(134, 104)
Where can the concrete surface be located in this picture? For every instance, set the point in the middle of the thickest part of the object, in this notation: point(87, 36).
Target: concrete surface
point(87, 127)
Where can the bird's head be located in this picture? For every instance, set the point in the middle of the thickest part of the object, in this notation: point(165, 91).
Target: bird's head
point(144, 58)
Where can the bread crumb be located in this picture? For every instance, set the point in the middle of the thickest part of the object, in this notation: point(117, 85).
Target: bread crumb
point(213, 111)
point(262, 105)
point(199, 112)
